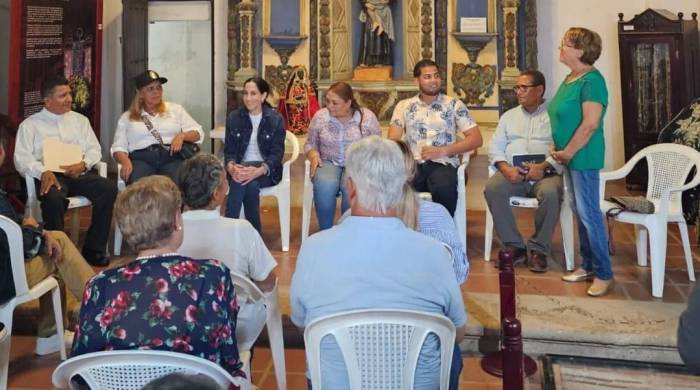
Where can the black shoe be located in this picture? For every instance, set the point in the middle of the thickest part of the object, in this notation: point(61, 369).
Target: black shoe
point(537, 262)
point(519, 256)
point(95, 259)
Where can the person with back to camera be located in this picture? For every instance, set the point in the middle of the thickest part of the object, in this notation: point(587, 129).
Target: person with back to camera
point(253, 151)
point(162, 300)
point(152, 133)
point(331, 132)
point(203, 184)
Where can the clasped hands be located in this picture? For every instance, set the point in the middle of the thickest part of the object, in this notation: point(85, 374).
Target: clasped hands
point(530, 172)
point(244, 174)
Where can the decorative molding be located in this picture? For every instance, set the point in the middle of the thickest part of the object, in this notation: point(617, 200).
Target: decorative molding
point(472, 81)
point(324, 21)
point(313, 40)
point(284, 46)
point(530, 34)
point(441, 36)
point(246, 10)
point(233, 29)
point(510, 36)
point(426, 12)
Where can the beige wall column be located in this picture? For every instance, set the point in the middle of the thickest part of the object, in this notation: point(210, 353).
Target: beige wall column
point(510, 40)
point(246, 10)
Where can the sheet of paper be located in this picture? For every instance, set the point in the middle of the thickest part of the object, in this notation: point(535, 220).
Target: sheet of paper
point(57, 153)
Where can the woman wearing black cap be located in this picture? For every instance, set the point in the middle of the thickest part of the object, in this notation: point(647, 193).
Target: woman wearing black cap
point(150, 135)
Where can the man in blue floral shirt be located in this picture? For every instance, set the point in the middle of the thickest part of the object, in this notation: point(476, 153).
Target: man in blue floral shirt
point(430, 123)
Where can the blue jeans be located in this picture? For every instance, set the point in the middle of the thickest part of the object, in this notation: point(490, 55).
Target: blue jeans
point(247, 196)
point(328, 181)
point(593, 239)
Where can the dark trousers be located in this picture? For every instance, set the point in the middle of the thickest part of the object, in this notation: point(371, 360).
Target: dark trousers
point(100, 191)
point(153, 160)
point(247, 196)
point(440, 180)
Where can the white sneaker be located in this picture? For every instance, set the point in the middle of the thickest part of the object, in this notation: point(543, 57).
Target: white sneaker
point(48, 345)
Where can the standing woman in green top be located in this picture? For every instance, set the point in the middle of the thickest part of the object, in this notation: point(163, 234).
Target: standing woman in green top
point(576, 114)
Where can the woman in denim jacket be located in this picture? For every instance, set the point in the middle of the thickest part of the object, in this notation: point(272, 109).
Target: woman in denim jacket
point(253, 151)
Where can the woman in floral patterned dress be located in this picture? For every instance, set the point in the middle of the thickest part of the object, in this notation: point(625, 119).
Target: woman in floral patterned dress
point(161, 300)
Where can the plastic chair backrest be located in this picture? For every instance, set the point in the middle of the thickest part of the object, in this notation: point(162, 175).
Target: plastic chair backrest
point(380, 347)
point(249, 289)
point(132, 369)
point(14, 241)
point(291, 140)
point(668, 167)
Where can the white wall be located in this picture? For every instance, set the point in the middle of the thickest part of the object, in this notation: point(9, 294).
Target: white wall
point(112, 68)
point(111, 74)
point(554, 17)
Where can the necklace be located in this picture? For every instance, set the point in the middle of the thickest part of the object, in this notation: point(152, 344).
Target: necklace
point(575, 76)
point(159, 255)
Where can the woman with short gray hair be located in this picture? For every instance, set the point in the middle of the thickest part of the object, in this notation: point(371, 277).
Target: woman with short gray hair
point(236, 243)
point(159, 300)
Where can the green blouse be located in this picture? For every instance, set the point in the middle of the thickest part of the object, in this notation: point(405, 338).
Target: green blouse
point(566, 113)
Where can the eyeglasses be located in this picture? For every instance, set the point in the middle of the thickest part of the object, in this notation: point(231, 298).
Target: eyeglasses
point(523, 88)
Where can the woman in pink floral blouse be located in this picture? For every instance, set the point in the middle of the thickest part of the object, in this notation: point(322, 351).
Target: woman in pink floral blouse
point(161, 300)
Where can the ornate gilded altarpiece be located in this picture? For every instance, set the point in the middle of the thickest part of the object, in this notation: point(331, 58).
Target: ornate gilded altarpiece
point(425, 35)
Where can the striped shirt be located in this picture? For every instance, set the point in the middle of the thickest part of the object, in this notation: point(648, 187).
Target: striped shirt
point(434, 221)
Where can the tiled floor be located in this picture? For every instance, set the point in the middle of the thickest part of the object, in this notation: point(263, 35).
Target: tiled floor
point(633, 284)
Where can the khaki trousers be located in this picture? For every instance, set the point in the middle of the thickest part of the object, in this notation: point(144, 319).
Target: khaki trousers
point(72, 270)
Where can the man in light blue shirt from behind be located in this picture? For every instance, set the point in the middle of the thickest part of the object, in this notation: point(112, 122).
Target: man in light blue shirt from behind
point(372, 260)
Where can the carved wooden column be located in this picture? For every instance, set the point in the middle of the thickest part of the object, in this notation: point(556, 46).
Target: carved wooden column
point(510, 73)
point(246, 11)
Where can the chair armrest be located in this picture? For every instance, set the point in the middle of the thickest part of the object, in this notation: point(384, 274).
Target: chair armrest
point(623, 170)
point(31, 187)
point(101, 167)
point(121, 185)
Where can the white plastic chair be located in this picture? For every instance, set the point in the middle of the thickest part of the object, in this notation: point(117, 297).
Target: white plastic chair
point(34, 207)
point(668, 168)
point(133, 369)
point(23, 294)
point(380, 347)
point(273, 322)
point(282, 191)
point(566, 221)
point(460, 216)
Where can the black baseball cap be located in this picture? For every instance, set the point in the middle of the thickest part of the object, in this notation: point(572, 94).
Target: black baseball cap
point(148, 77)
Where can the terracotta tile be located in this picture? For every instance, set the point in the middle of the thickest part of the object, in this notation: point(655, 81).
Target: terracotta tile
point(637, 292)
point(295, 361)
point(481, 283)
point(672, 295)
point(294, 382)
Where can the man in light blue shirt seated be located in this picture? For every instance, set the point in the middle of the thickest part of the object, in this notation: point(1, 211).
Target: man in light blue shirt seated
point(525, 130)
point(372, 260)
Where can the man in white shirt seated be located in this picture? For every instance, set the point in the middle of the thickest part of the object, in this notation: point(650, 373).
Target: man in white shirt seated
point(208, 235)
point(525, 130)
point(56, 120)
point(372, 260)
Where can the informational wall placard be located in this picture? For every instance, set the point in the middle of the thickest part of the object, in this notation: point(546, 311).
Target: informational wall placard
point(51, 37)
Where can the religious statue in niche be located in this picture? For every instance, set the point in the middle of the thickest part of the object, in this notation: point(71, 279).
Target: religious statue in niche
point(376, 41)
point(298, 103)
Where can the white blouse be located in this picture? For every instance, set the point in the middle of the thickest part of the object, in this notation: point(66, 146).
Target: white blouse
point(134, 135)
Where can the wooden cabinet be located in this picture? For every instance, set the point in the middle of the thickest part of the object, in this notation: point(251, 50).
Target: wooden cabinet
point(660, 74)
